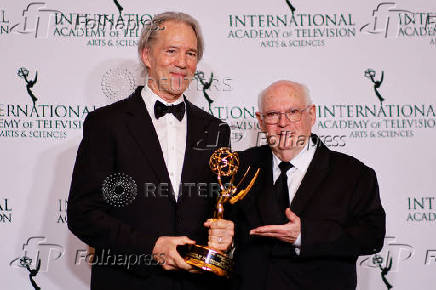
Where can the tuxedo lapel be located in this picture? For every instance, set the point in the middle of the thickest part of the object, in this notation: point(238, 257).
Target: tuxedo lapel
point(316, 173)
point(195, 131)
point(141, 128)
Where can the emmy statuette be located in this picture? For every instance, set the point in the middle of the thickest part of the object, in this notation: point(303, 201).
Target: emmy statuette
point(224, 163)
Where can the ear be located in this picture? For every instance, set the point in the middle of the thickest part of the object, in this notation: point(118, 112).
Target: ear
point(145, 57)
point(260, 121)
point(312, 114)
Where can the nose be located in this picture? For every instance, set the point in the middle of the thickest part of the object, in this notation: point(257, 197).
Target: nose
point(283, 121)
point(181, 60)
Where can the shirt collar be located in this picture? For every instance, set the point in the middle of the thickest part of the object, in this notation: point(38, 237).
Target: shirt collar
point(150, 99)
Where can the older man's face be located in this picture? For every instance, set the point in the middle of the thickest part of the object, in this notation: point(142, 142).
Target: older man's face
point(285, 134)
point(172, 59)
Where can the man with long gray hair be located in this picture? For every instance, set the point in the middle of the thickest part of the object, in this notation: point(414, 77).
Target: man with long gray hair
point(154, 146)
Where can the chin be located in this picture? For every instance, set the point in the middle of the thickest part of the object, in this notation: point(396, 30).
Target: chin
point(176, 87)
point(176, 92)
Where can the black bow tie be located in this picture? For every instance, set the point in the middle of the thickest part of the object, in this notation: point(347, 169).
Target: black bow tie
point(161, 110)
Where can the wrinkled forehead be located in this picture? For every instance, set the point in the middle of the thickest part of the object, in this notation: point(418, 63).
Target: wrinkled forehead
point(283, 97)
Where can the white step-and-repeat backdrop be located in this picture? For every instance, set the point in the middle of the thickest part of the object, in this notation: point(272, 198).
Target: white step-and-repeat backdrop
point(370, 66)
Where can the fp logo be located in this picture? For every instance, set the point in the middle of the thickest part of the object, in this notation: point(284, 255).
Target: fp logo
point(36, 20)
point(385, 17)
point(38, 254)
point(393, 253)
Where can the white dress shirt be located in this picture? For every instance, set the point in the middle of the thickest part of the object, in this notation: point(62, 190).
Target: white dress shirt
point(295, 175)
point(172, 137)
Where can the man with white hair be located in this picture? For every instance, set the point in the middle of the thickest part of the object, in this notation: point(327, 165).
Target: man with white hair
point(312, 211)
point(150, 152)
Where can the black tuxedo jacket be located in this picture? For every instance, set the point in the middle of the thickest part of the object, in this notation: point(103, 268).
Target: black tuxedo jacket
point(120, 138)
point(341, 218)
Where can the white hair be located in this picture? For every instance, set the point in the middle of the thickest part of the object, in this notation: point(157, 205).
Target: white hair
point(295, 85)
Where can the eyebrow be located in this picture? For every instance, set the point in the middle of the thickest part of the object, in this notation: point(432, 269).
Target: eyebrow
point(193, 50)
point(178, 47)
point(288, 109)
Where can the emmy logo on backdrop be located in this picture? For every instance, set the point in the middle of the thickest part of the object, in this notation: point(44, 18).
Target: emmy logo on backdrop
point(378, 260)
point(24, 73)
point(224, 163)
point(119, 7)
point(199, 75)
point(25, 262)
point(370, 73)
point(291, 6)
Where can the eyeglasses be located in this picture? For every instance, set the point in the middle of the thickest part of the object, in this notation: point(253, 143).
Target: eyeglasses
point(293, 115)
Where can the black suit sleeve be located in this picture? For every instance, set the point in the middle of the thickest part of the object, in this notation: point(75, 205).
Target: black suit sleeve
point(88, 215)
point(362, 235)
